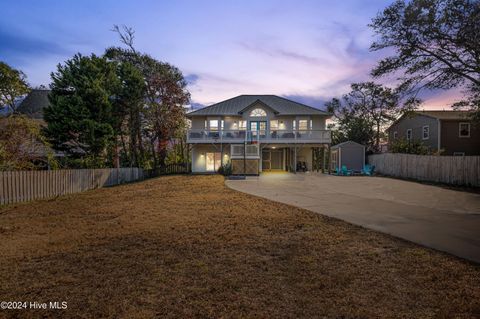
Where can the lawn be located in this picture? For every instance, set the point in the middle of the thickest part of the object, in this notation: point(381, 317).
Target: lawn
point(187, 246)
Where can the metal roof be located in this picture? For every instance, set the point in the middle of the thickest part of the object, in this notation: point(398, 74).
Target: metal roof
point(236, 105)
point(346, 143)
point(446, 115)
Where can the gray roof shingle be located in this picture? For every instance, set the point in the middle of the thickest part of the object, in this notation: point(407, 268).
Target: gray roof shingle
point(236, 105)
point(34, 103)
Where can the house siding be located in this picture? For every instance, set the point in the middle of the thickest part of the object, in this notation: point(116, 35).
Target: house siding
point(416, 124)
point(451, 142)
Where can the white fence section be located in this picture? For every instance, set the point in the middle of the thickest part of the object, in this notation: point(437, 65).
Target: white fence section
point(22, 186)
point(455, 170)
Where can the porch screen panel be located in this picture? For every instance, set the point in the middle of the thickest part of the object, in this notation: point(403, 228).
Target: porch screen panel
point(276, 160)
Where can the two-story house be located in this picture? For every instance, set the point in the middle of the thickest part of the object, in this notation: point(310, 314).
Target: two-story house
point(256, 133)
point(445, 132)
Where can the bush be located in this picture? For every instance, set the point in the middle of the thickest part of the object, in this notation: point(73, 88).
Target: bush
point(226, 169)
point(409, 147)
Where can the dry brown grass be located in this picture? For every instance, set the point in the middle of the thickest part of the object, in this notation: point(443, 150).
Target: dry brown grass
point(186, 246)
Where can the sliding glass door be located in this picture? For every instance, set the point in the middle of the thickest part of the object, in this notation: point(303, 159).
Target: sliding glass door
point(213, 161)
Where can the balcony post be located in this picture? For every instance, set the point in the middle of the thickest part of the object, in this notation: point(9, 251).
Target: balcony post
point(295, 160)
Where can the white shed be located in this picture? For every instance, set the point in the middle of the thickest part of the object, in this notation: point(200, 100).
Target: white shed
point(350, 154)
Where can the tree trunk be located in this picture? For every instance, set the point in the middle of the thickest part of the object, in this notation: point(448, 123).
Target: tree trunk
point(154, 154)
point(125, 151)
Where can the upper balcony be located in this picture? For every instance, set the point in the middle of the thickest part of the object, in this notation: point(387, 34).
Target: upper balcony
point(261, 136)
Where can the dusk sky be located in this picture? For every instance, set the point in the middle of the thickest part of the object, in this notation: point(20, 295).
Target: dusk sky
point(309, 51)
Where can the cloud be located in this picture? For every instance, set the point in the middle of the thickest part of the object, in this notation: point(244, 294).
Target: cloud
point(279, 53)
point(314, 101)
point(18, 47)
point(192, 78)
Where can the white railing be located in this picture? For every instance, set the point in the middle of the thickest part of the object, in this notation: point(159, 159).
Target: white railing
point(267, 136)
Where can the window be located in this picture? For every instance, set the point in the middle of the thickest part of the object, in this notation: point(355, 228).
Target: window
point(213, 125)
point(258, 113)
point(274, 125)
point(303, 125)
point(458, 153)
point(464, 129)
point(294, 123)
point(240, 125)
point(426, 132)
point(409, 134)
point(395, 135)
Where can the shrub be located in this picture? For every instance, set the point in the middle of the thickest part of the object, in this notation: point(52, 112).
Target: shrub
point(225, 169)
point(409, 147)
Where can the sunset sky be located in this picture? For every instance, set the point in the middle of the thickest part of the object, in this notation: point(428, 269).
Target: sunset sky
point(309, 51)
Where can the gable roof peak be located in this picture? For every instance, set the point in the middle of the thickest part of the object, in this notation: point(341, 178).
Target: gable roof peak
point(236, 105)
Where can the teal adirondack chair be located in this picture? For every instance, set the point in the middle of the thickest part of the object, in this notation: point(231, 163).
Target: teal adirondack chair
point(344, 171)
point(368, 169)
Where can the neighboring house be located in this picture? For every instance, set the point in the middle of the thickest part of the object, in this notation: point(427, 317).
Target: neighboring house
point(256, 133)
point(34, 103)
point(32, 106)
point(448, 132)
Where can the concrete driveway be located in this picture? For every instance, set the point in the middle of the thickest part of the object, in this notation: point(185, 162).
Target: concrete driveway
point(436, 217)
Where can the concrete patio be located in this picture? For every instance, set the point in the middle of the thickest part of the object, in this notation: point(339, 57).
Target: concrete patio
point(432, 216)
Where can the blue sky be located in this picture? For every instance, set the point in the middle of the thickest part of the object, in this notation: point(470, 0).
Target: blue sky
point(309, 51)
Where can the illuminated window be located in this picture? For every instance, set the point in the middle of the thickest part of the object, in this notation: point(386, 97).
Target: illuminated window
point(258, 113)
point(242, 125)
point(213, 125)
point(274, 125)
point(303, 125)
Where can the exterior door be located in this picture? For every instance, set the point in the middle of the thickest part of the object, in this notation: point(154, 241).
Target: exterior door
point(258, 128)
point(272, 160)
point(265, 160)
point(276, 160)
point(213, 161)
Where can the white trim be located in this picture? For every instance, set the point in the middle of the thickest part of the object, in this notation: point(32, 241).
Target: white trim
point(259, 112)
point(411, 134)
point(459, 130)
point(339, 166)
point(423, 132)
point(439, 137)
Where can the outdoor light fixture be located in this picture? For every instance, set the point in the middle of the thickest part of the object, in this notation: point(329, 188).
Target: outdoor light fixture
point(274, 147)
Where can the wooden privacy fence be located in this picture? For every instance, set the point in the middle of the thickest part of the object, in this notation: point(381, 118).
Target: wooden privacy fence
point(176, 168)
point(455, 170)
point(22, 186)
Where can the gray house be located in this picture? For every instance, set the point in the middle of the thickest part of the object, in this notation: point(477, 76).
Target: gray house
point(256, 133)
point(350, 154)
point(446, 132)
